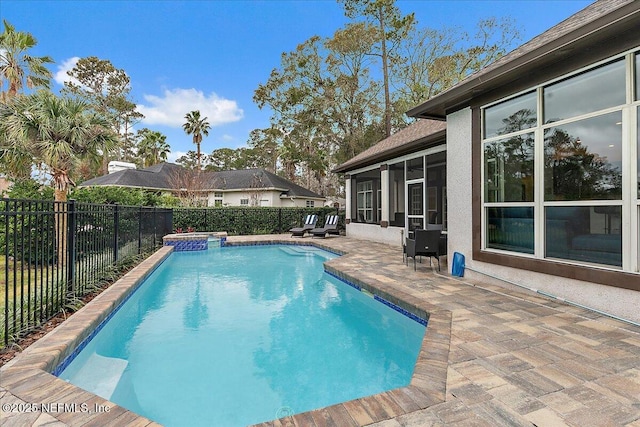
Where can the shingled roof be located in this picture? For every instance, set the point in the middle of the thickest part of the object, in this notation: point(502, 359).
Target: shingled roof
point(157, 177)
point(605, 24)
point(415, 136)
point(250, 178)
point(162, 177)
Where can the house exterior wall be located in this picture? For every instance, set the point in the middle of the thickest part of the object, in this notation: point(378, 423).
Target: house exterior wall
point(616, 301)
point(264, 198)
point(459, 183)
point(233, 198)
point(389, 235)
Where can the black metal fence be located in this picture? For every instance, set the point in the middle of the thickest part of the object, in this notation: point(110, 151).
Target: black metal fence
point(55, 252)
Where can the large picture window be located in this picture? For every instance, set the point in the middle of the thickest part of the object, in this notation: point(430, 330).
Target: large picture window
point(554, 187)
point(510, 228)
point(508, 169)
point(517, 114)
point(584, 233)
point(583, 159)
point(593, 90)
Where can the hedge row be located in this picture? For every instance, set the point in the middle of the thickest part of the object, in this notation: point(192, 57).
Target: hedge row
point(247, 220)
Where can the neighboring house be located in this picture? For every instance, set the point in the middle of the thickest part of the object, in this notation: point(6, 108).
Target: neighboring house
point(335, 202)
point(250, 187)
point(542, 177)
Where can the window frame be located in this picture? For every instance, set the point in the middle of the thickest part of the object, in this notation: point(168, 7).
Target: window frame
point(367, 208)
point(630, 202)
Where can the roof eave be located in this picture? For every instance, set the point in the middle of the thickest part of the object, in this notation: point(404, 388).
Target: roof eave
point(142, 187)
point(392, 152)
point(460, 96)
point(283, 196)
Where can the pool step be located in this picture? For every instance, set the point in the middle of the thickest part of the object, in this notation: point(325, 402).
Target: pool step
point(304, 251)
point(101, 375)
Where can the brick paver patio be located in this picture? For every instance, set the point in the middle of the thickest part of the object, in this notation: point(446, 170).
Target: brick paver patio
point(492, 356)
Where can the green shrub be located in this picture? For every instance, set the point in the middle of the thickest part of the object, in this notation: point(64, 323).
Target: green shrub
point(246, 220)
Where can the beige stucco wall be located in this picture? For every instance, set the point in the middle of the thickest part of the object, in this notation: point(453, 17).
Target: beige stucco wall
point(618, 302)
point(373, 232)
point(265, 198)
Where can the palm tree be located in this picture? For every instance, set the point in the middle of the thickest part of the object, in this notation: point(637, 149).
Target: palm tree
point(16, 66)
point(57, 131)
point(152, 147)
point(197, 127)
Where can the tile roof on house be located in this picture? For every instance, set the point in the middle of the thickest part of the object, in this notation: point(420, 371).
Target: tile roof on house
point(603, 23)
point(163, 177)
point(416, 135)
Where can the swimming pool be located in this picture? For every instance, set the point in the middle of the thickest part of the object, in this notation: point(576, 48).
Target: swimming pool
point(240, 335)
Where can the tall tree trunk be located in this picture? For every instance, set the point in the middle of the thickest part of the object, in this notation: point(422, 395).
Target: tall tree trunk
point(198, 151)
point(385, 75)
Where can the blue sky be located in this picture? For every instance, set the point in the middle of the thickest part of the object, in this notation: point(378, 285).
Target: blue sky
point(212, 55)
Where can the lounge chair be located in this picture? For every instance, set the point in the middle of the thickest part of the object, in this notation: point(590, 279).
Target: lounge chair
point(424, 243)
point(309, 224)
point(330, 227)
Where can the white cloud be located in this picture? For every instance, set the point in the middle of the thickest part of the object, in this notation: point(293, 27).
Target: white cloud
point(61, 75)
point(227, 137)
point(170, 109)
point(175, 155)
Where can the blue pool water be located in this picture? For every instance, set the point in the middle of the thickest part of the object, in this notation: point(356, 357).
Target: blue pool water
point(240, 335)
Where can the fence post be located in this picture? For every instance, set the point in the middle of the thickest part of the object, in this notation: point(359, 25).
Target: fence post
point(116, 228)
point(6, 272)
point(140, 230)
point(155, 227)
point(71, 245)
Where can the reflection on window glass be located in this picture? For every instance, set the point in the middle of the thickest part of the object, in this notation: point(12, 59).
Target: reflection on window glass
point(508, 169)
point(584, 233)
point(583, 160)
point(587, 92)
point(415, 168)
point(638, 152)
point(511, 116)
point(510, 229)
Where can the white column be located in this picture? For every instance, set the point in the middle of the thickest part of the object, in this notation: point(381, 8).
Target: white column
point(384, 195)
point(347, 195)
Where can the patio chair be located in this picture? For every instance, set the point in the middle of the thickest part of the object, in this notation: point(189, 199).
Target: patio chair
point(330, 227)
point(309, 224)
point(424, 243)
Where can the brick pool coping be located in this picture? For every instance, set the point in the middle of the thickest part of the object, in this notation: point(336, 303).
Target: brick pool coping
point(27, 381)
